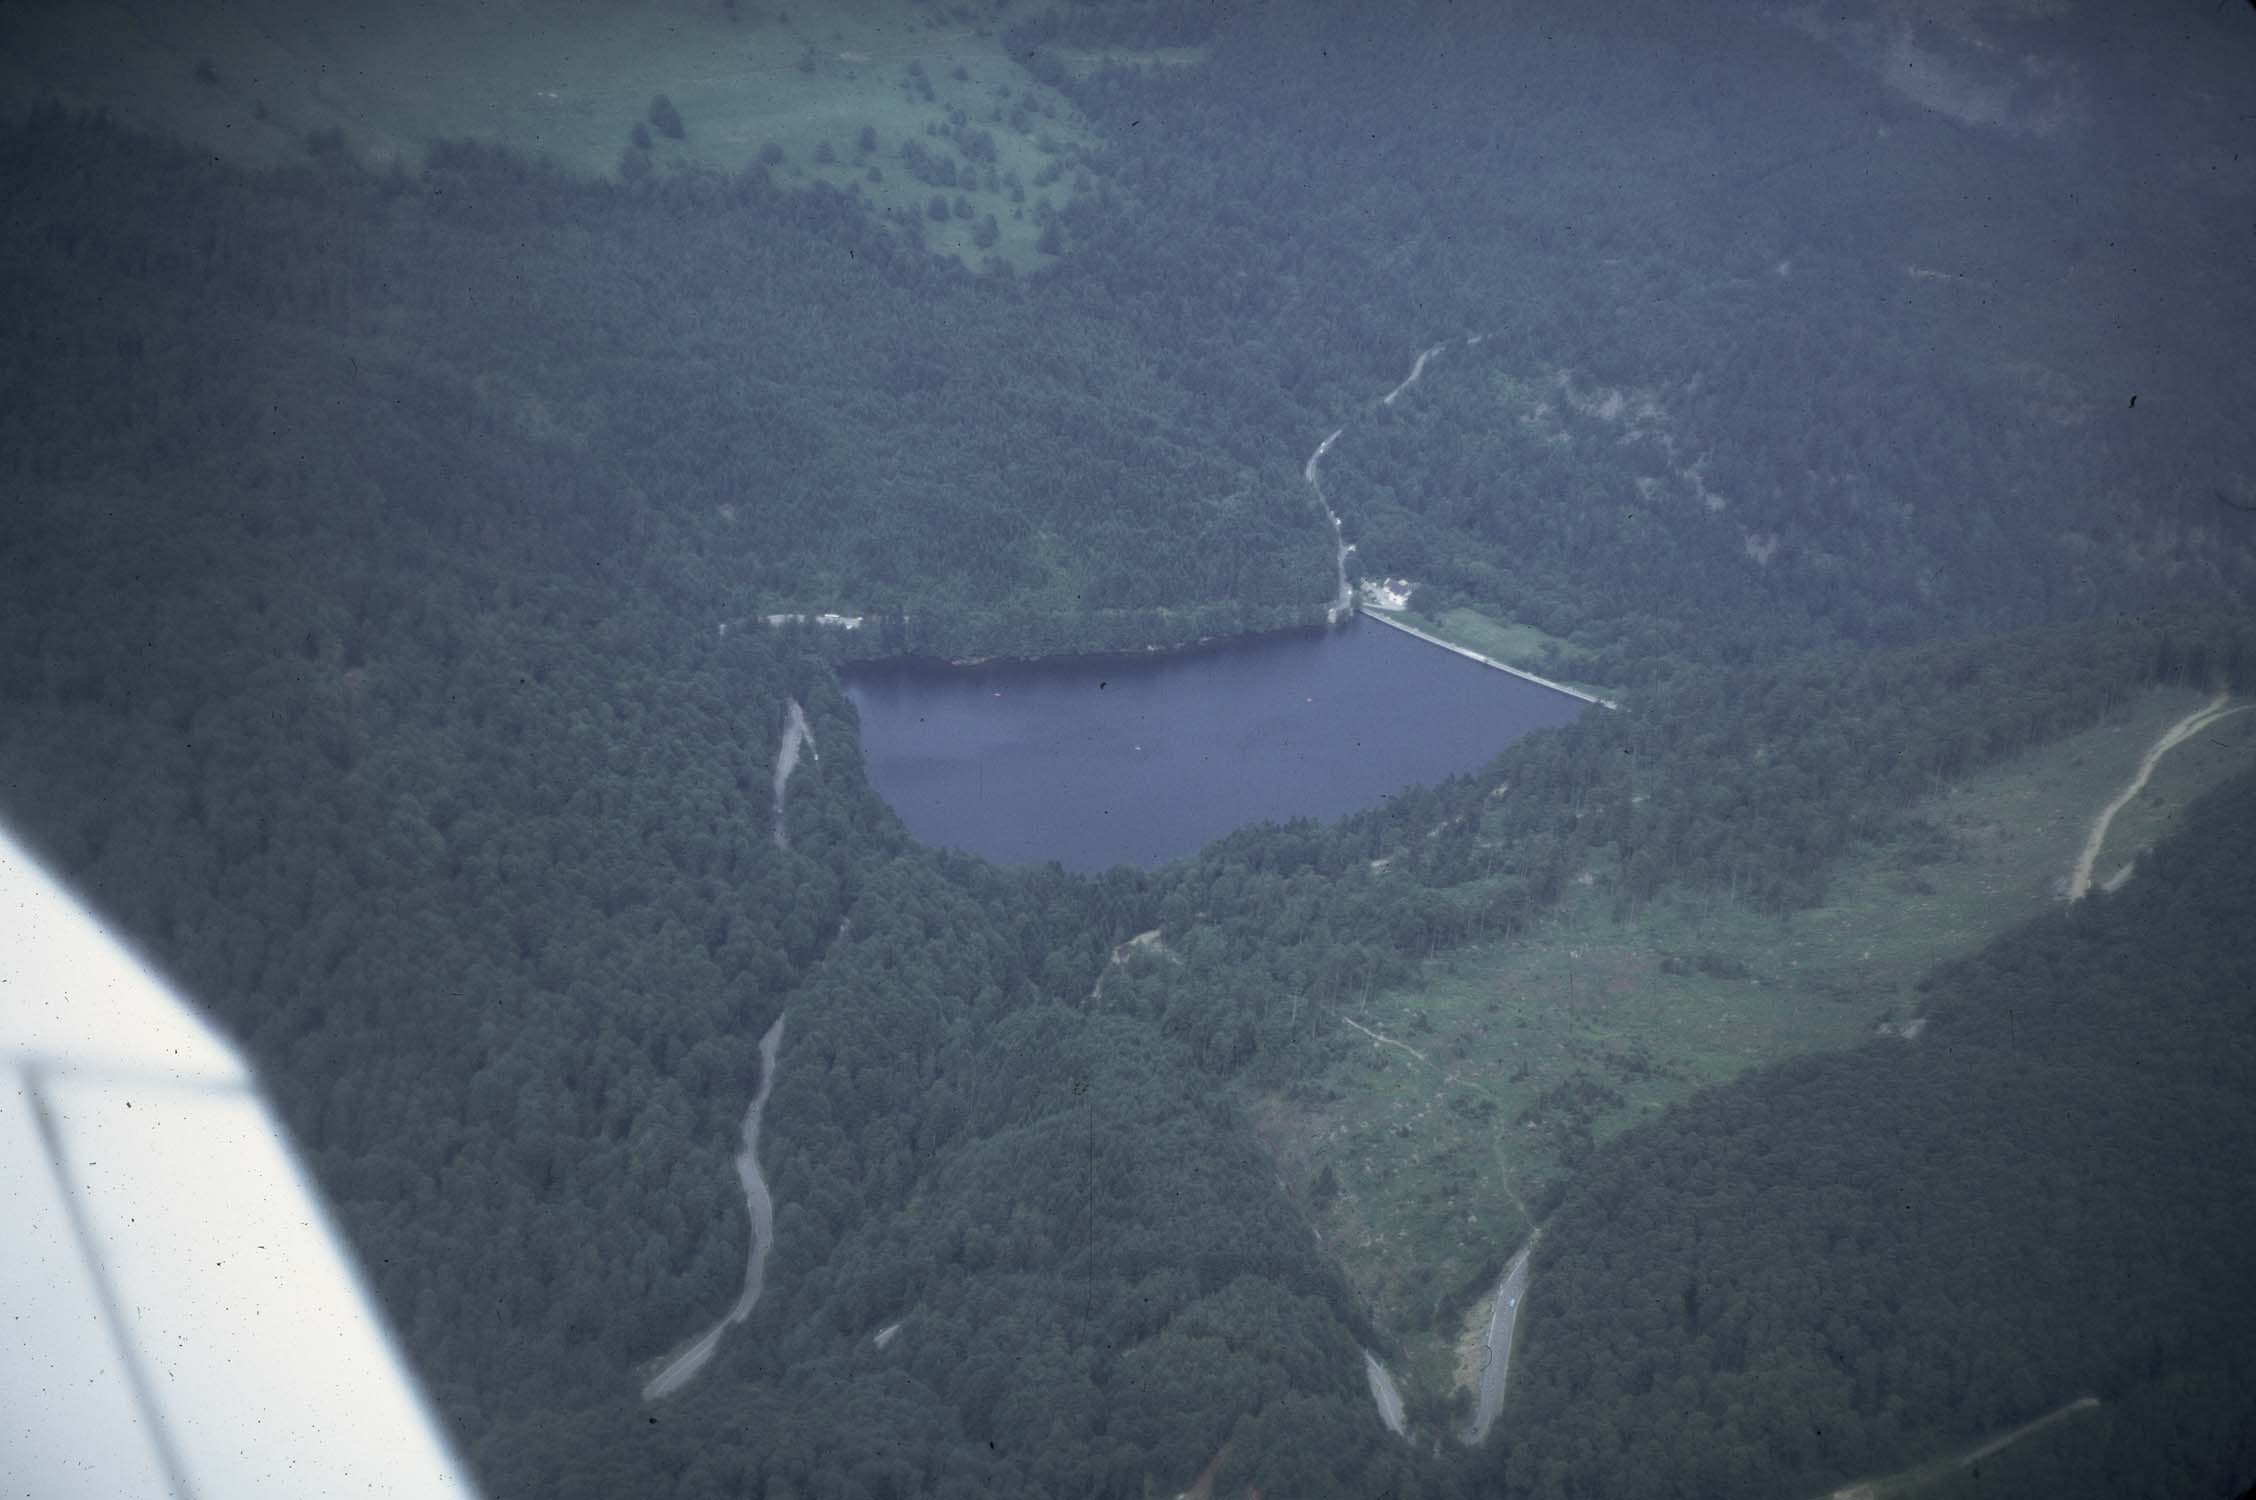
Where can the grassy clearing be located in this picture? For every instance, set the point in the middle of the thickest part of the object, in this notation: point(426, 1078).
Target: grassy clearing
point(1536, 1049)
point(1516, 645)
point(249, 79)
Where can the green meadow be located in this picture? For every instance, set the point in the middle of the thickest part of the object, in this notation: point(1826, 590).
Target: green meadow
point(1516, 645)
point(1423, 1159)
point(794, 87)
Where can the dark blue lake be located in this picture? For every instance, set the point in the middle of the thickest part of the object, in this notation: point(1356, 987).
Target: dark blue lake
point(1098, 761)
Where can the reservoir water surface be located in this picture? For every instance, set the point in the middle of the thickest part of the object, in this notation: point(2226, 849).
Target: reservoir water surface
point(1104, 760)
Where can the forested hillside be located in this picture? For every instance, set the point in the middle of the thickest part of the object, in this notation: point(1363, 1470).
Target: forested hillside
point(383, 565)
point(1743, 782)
point(417, 751)
point(1630, 514)
point(1853, 1264)
point(1731, 370)
point(766, 402)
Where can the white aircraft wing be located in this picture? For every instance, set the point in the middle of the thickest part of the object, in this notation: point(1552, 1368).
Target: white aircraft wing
point(178, 1316)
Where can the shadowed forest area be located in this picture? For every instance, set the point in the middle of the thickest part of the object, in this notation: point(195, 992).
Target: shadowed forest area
point(386, 551)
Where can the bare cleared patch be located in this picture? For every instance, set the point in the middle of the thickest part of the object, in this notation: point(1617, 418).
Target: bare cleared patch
point(1386, 593)
point(1472, 1344)
point(1143, 945)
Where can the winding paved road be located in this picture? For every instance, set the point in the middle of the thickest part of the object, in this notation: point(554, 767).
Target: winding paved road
point(1496, 1353)
point(795, 734)
point(683, 1367)
point(1344, 600)
point(1415, 371)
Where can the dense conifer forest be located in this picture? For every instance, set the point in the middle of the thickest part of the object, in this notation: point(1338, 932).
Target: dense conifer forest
point(383, 569)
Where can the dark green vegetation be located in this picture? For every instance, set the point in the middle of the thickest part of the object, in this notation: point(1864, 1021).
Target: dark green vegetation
point(755, 397)
point(1906, 457)
point(1581, 1024)
point(1617, 517)
point(366, 543)
point(1822, 1269)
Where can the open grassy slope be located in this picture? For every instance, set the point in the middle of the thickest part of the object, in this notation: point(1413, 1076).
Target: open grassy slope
point(569, 79)
point(1510, 1060)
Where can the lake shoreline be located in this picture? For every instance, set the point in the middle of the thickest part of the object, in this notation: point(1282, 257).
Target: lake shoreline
point(1145, 655)
point(1141, 758)
point(1487, 661)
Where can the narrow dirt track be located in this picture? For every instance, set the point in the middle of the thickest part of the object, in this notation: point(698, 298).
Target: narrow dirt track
point(1922, 1476)
point(2080, 878)
point(1343, 598)
point(1387, 1041)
